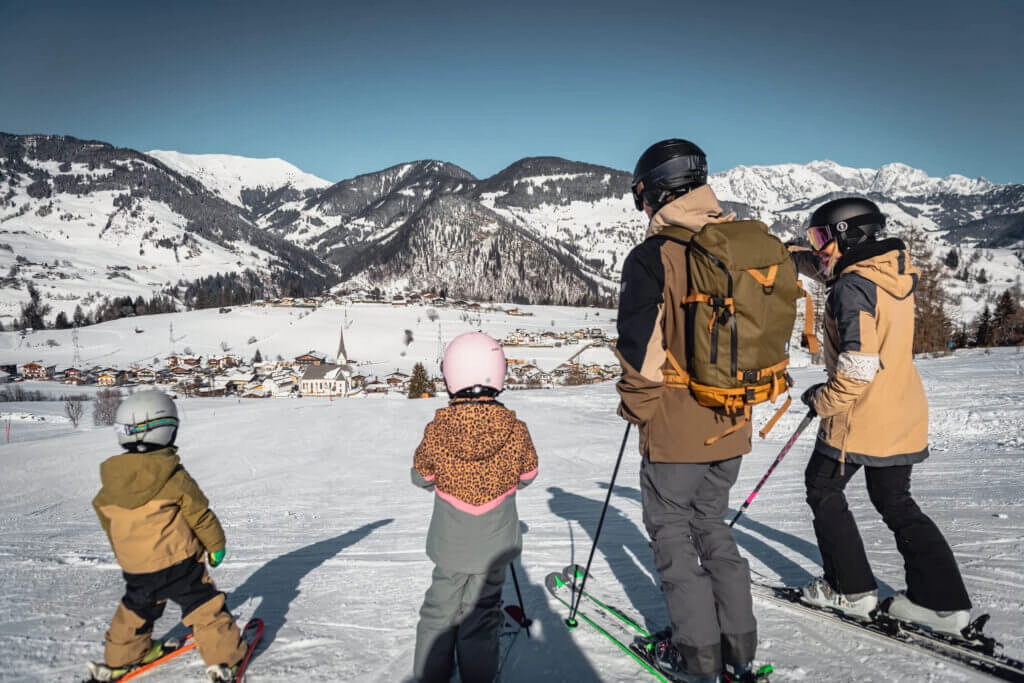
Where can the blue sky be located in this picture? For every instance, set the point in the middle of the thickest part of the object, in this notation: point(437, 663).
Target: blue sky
point(343, 88)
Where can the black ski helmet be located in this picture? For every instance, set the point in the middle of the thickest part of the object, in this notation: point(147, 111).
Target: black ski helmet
point(850, 220)
point(669, 167)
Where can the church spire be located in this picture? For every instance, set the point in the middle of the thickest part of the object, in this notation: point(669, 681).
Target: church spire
point(342, 355)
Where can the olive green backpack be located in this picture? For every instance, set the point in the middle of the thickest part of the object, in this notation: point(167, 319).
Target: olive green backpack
point(740, 309)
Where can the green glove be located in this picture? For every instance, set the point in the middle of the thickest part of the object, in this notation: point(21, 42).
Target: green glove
point(215, 558)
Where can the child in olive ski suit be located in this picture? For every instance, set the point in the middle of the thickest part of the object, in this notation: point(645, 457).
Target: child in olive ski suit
point(160, 527)
point(475, 455)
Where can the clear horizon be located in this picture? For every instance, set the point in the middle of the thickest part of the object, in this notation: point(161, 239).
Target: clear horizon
point(340, 90)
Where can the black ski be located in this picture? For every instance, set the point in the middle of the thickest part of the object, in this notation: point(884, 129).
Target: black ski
point(976, 650)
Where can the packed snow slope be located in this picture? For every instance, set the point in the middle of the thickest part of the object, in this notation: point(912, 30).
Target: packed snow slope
point(326, 533)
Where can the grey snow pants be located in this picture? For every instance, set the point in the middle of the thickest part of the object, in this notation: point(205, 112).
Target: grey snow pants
point(460, 617)
point(705, 580)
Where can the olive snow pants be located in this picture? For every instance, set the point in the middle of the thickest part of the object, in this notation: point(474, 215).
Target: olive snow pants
point(202, 608)
point(705, 580)
point(933, 578)
point(460, 619)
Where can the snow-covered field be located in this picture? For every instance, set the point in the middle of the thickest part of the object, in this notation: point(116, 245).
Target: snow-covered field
point(326, 534)
point(376, 338)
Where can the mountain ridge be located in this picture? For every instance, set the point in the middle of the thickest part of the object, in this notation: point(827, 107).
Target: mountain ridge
point(565, 222)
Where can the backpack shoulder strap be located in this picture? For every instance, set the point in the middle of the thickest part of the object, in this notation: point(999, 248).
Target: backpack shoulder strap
point(674, 233)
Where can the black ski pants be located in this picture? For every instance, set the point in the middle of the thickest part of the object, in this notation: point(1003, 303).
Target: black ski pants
point(933, 578)
point(202, 609)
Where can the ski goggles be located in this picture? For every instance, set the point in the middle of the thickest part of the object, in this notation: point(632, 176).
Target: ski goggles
point(819, 236)
point(638, 197)
point(141, 427)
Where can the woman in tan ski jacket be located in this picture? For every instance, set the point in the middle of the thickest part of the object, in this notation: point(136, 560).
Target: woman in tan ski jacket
point(874, 414)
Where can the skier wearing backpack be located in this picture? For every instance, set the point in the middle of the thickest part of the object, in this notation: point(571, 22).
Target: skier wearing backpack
point(475, 454)
point(874, 415)
point(685, 482)
point(160, 526)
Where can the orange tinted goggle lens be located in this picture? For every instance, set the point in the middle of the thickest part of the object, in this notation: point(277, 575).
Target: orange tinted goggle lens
point(819, 236)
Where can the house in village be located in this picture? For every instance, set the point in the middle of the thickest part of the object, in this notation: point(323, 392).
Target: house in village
point(221, 362)
point(281, 384)
point(73, 376)
point(110, 377)
point(145, 376)
point(375, 387)
point(37, 371)
point(308, 359)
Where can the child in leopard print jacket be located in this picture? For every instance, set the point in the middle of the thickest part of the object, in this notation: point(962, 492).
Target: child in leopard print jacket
point(475, 455)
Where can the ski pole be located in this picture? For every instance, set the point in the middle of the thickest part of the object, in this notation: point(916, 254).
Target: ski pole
point(524, 621)
point(785, 449)
point(571, 621)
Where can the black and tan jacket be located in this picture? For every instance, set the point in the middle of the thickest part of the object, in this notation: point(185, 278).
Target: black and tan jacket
point(673, 426)
point(154, 513)
point(873, 408)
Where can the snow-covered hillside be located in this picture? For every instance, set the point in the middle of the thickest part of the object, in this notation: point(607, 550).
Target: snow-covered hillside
point(227, 175)
point(77, 248)
point(326, 534)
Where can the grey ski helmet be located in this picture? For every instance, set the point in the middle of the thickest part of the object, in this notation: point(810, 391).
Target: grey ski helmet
point(146, 420)
point(849, 221)
point(666, 168)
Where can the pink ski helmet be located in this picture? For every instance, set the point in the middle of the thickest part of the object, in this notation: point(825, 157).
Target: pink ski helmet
point(473, 359)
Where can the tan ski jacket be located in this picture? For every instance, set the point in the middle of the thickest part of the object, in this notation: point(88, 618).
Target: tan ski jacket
point(154, 513)
point(873, 408)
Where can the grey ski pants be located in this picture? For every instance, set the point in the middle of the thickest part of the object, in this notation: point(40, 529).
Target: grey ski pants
point(460, 617)
point(705, 580)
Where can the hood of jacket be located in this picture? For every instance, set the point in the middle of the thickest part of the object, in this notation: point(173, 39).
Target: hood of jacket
point(474, 428)
point(133, 479)
point(886, 263)
point(693, 210)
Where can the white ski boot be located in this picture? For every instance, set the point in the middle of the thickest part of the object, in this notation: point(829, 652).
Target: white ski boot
point(818, 593)
point(101, 672)
point(221, 673)
point(951, 622)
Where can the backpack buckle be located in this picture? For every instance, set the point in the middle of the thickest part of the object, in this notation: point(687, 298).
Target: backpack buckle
point(749, 395)
point(750, 376)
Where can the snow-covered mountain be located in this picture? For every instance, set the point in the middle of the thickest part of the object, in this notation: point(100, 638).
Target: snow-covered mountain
point(229, 176)
point(81, 218)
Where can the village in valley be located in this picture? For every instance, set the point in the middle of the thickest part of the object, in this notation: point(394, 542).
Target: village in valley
point(316, 373)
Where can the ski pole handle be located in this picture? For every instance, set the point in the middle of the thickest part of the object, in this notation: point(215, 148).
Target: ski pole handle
point(785, 449)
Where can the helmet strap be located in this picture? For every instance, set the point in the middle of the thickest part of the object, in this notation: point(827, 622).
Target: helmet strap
point(476, 391)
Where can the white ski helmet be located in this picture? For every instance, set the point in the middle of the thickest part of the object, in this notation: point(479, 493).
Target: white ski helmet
point(146, 420)
point(473, 360)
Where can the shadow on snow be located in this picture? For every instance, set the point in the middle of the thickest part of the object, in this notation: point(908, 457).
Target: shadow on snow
point(277, 582)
